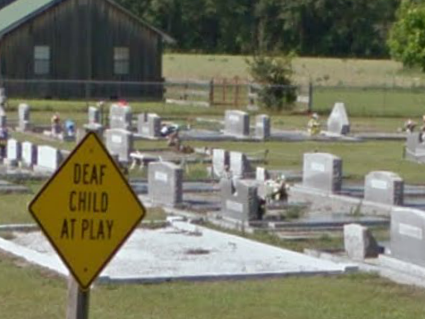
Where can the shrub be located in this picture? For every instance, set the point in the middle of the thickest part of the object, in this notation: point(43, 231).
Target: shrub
point(274, 74)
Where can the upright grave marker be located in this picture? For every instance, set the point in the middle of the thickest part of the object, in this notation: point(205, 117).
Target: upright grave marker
point(87, 210)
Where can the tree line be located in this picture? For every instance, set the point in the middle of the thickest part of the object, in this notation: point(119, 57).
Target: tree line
point(339, 28)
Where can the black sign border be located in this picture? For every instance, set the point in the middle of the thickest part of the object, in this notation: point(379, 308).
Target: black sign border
point(47, 184)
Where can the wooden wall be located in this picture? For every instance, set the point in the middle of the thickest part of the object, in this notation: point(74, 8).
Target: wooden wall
point(82, 35)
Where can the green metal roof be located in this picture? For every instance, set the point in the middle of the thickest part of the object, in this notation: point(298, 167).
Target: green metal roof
point(20, 11)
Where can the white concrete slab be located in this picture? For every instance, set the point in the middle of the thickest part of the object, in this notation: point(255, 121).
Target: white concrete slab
point(183, 251)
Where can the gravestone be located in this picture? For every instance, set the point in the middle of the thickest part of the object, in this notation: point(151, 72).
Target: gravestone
point(262, 127)
point(119, 143)
point(94, 115)
point(407, 235)
point(359, 242)
point(239, 165)
point(13, 152)
point(29, 154)
point(149, 125)
point(322, 171)
point(165, 183)
point(261, 174)
point(120, 117)
point(338, 122)
point(221, 163)
point(384, 187)
point(24, 117)
point(412, 142)
point(239, 199)
point(236, 123)
point(48, 159)
point(94, 124)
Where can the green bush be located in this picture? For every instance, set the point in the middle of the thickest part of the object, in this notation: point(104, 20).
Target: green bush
point(274, 74)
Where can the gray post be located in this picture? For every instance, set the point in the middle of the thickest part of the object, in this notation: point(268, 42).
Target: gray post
point(78, 301)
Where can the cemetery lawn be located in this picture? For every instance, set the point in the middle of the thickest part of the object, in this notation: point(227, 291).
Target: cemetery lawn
point(27, 292)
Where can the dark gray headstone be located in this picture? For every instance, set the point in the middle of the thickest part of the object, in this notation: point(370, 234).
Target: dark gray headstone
point(262, 126)
point(384, 187)
point(165, 183)
point(120, 117)
point(359, 242)
point(236, 123)
point(119, 143)
point(408, 235)
point(239, 199)
point(338, 122)
point(322, 171)
point(149, 125)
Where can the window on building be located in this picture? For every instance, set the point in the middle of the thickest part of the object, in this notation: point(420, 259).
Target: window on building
point(42, 60)
point(121, 60)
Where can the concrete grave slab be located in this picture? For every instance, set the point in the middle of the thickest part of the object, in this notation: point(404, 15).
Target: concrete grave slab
point(188, 252)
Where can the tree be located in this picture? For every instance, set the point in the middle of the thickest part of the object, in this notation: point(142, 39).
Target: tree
point(407, 36)
point(274, 74)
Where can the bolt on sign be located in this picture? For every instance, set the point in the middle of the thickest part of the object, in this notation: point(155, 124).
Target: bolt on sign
point(87, 210)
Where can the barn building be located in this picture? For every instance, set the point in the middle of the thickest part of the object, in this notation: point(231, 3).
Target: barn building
point(77, 49)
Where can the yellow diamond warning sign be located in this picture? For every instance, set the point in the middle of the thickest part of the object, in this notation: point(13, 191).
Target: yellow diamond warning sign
point(87, 210)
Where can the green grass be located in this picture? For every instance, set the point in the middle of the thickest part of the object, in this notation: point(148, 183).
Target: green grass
point(28, 293)
point(321, 71)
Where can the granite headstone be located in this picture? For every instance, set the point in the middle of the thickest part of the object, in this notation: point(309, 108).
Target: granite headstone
point(322, 171)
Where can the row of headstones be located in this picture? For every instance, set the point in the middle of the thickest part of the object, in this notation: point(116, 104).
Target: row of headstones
point(166, 179)
point(227, 164)
point(23, 116)
point(237, 123)
point(120, 118)
point(41, 158)
point(324, 172)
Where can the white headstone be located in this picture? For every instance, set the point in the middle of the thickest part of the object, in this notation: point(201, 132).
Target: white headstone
point(338, 122)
